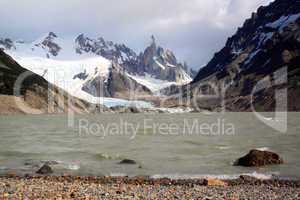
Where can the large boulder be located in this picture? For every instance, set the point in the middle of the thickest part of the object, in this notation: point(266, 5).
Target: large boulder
point(45, 169)
point(257, 158)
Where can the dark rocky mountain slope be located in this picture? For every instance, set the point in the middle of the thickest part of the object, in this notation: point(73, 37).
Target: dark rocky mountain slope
point(262, 49)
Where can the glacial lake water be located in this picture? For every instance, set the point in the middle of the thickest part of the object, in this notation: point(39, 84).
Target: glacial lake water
point(163, 145)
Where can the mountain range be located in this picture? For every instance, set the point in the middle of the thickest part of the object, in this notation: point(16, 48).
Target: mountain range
point(266, 48)
point(89, 68)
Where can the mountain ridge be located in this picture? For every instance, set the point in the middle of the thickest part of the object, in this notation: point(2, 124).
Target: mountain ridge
point(51, 51)
point(267, 45)
point(255, 30)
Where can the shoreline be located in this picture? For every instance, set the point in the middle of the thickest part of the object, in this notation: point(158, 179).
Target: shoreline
point(148, 180)
point(79, 187)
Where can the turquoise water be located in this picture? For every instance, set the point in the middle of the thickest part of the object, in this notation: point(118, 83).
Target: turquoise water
point(174, 145)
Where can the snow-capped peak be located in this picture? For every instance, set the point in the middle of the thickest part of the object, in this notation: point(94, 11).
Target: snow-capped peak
point(75, 63)
point(49, 44)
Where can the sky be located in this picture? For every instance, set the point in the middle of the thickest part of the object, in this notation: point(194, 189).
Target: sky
point(193, 29)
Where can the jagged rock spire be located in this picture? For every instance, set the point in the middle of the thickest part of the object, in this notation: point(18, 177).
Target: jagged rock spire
point(153, 39)
point(153, 43)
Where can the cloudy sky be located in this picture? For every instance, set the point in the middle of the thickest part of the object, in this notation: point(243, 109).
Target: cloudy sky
point(193, 29)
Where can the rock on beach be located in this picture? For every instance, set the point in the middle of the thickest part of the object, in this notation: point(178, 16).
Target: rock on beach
point(257, 158)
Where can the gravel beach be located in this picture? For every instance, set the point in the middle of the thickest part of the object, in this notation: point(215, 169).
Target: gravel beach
point(49, 187)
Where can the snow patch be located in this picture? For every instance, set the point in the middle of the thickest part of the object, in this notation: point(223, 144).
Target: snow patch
point(264, 37)
point(170, 65)
point(159, 64)
point(185, 78)
point(283, 22)
point(155, 85)
point(152, 83)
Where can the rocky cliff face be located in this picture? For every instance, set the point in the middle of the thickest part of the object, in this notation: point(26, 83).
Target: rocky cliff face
point(267, 42)
point(117, 85)
point(118, 53)
point(163, 64)
point(7, 44)
point(50, 45)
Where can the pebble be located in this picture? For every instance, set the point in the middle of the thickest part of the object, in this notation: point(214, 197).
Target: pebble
point(50, 187)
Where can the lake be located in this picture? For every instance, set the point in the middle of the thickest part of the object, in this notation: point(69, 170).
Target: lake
point(189, 145)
